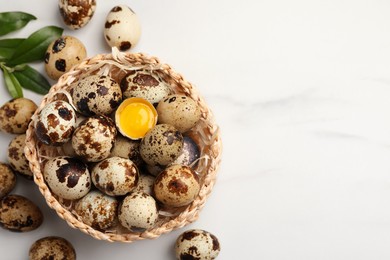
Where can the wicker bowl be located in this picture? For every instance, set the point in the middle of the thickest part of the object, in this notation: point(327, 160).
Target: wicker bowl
point(205, 134)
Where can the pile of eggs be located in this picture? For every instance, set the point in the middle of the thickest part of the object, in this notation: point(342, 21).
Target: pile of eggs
point(125, 149)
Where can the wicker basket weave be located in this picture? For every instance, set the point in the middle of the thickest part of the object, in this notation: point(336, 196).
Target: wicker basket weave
point(205, 133)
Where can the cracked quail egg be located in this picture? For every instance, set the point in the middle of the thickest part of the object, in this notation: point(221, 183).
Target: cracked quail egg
point(56, 123)
point(197, 244)
point(115, 176)
point(138, 210)
point(176, 186)
point(96, 95)
point(62, 54)
point(122, 28)
point(144, 84)
point(67, 177)
point(180, 111)
point(16, 158)
point(52, 247)
point(17, 213)
point(76, 13)
point(161, 145)
point(94, 138)
point(15, 115)
point(97, 210)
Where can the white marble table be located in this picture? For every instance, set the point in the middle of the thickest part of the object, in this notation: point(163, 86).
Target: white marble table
point(301, 91)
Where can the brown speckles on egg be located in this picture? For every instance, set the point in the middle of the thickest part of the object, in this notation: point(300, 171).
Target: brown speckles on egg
point(96, 94)
point(60, 65)
point(7, 179)
point(15, 115)
point(18, 213)
point(197, 244)
point(58, 45)
point(94, 138)
point(16, 158)
point(176, 186)
point(124, 46)
point(144, 84)
point(161, 145)
point(67, 177)
point(77, 13)
point(52, 247)
point(138, 210)
point(115, 176)
point(98, 210)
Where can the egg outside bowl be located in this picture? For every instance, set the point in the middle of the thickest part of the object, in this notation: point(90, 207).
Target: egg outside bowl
point(206, 134)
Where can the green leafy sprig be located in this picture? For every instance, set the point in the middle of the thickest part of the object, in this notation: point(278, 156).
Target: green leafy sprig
point(15, 53)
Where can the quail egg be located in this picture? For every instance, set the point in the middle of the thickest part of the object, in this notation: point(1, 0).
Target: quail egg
point(94, 138)
point(138, 210)
point(16, 158)
point(144, 84)
point(67, 177)
point(145, 184)
point(7, 179)
point(176, 186)
point(122, 28)
point(15, 115)
point(96, 95)
point(17, 213)
point(97, 210)
point(197, 244)
point(189, 154)
point(135, 117)
point(62, 54)
point(161, 145)
point(56, 123)
point(76, 13)
point(180, 111)
point(115, 176)
point(127, 148)
point(52, 247)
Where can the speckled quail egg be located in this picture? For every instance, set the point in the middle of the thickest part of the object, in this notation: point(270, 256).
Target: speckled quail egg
point(96, 95)
point(189, 154)
point(145, 184)
point(76, 13)
point(122, 28)
point(7, 179)
point(138, 210)
point(127, 148)
point(16, 158)
point(18, 213)
point(67, 177)
point(52, 247)
point(197, 244)
point(180, 111)
point(97, 210)
point(56, 123)
point(144, 84)
point(115, 176)
point(15, 115)
point(176, 186)
point(94, 138)
point(62, 54)
point(161, 145)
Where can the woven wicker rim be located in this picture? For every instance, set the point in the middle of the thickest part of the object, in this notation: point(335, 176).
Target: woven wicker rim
point(207, 131)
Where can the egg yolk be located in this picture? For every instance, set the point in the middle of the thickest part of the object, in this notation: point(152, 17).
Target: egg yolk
point(136, 117)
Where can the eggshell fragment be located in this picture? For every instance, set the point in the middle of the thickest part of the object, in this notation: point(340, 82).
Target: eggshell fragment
point(15, 115)
point(197, 244)
point(18, 213)
point(52, 247)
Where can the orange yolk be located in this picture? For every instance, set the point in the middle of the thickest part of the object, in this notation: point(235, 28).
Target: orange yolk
point(135, 117)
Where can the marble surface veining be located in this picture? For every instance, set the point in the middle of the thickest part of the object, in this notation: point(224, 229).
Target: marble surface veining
point(300, 90)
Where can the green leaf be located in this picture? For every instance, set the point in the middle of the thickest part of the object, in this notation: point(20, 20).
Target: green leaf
point(31, 79)
point(12, 84)
point(8, 47)
point(35, 46)
point(12, 21)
